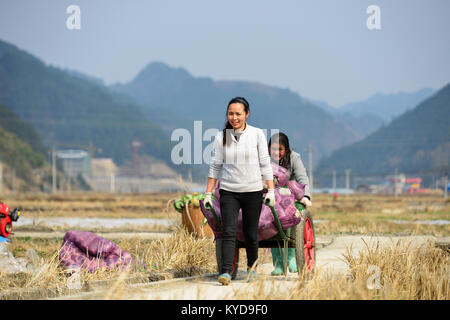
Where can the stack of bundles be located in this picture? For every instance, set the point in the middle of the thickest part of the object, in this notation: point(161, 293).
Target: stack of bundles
point(82, 249)
point(286, 193)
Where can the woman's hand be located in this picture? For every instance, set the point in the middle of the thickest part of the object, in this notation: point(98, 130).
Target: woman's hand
point(208, 194)
point(207, 202)
point(306, 202)
point(269, 199)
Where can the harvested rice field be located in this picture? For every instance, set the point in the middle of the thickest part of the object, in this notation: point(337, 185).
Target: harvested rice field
point(147, 226)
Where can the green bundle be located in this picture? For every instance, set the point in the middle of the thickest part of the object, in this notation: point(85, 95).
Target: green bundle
point(193, 199)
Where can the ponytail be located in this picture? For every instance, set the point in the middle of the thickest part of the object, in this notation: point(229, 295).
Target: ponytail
point(227, 126)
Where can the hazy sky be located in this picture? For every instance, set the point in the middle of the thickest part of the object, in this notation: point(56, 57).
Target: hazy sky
point(320, 49)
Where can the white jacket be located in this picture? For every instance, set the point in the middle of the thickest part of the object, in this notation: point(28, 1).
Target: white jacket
point(241, 162)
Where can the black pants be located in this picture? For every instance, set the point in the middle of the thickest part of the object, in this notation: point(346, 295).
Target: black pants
point(230, 203)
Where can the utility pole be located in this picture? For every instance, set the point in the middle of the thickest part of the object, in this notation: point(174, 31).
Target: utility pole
point(13, 182)
point(1, 177)
point(311, 178)
point(136, 145)
point(53, 170)
point(395, 183)
point(347, 180)
point(69, 177)
point(91, 149)
point(112, 186)
point(334, 180)
point(69, 187)
point(190, 176)
point(446, 183)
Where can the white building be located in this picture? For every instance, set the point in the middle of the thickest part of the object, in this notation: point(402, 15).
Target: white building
point(75, 162)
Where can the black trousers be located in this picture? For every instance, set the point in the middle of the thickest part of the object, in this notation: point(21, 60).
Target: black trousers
point(230, 203)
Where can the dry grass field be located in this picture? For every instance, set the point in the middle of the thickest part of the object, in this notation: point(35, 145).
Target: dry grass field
point(98, 205)
point(405, 273)
point(408, 273)
point(378, 214)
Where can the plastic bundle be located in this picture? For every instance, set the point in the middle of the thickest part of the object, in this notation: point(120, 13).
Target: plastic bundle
point(82, 249)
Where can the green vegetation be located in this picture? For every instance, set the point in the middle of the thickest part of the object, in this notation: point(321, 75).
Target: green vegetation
point(72, 112)
point(24, 131)
point(21, 150)
point(18, 155)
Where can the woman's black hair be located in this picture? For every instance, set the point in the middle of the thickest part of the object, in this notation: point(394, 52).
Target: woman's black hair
point(282, 139)
point(227, 123)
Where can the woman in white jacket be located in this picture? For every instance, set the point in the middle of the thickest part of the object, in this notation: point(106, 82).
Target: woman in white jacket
point(241, 155)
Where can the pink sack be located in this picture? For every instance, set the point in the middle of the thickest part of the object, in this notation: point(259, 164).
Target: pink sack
point(82, 249)
point(298, 189)
point(280, 174)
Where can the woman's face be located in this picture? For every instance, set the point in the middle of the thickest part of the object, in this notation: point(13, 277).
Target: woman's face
point(236, 115)
point(277, 151)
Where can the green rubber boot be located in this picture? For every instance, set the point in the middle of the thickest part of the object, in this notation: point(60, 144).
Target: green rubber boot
point(277, 262)
point(292, 263)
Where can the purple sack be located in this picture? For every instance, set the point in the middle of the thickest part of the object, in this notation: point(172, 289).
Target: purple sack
point(82, 249)
point(280, 174)
point(298, 189)
point(285, 208)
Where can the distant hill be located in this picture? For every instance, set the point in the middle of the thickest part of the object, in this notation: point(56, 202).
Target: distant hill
point(324, 105)
point(176, 99)
point(361, 124)
point(366, 116)
point(416, 141)
point(19, 155)
point(387, 106)
point(95, 80)
point(70, 111)
point(24, 131)
point(20, 149)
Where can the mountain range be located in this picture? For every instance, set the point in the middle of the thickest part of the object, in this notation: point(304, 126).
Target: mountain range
point(367, 115)
point(70, 112)
point(69, 109)
point(415, 142)
point(387, 106)
point(175, 99)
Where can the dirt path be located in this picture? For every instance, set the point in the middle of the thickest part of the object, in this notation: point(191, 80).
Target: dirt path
point(108, 235)
point(328, 257)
